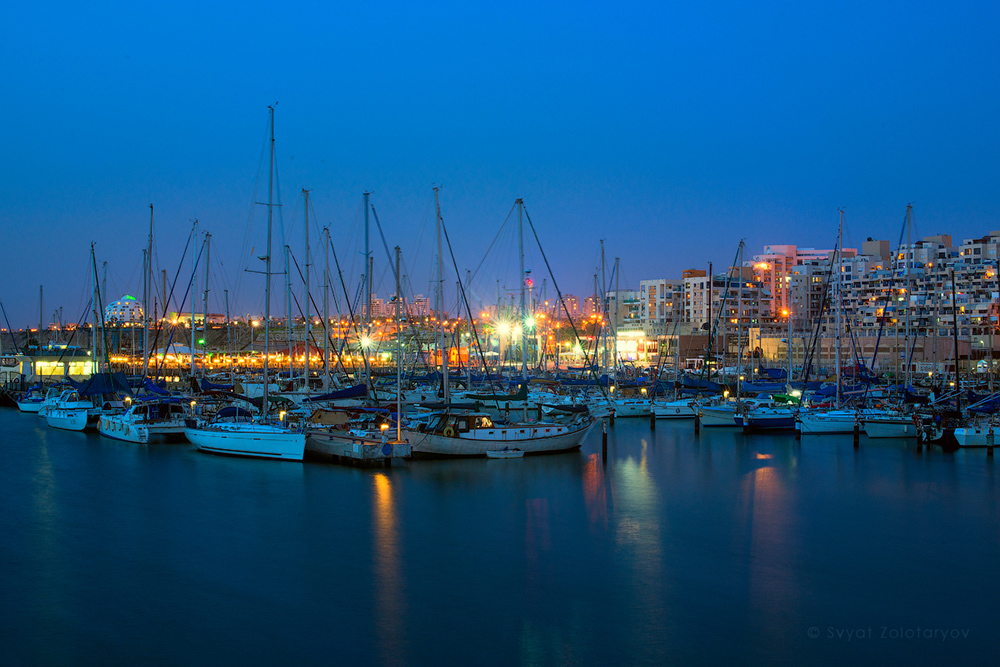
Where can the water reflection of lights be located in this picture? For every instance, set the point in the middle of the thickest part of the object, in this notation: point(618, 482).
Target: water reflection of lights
point(537, 530)
point(638, 524)
point(50, 602)
point(766, 542)
point(596, 494)
point(388, 581)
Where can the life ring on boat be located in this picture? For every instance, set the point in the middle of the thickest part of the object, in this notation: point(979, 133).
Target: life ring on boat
point(449, 431)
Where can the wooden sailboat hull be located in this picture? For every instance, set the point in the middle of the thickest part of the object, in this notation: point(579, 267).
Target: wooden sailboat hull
point(531, 439)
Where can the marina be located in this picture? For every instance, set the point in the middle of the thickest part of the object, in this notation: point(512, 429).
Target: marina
point(677, 540)
point(538, 334)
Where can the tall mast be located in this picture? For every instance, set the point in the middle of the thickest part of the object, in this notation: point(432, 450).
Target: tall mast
point(368, 279)
point(305, 369)
point(993, 326)
point(93, 330)
point(838, 255)
point(288, 311)
point(907, 257)
point(614, 342)
point(147, 290)
point(41, 318)
point(194, 285)
point(468, 346)
point(326, 310)
point(739, 328)
point(229, 339)
point(954, 324)
point(524, 314)
point(439, 305)
point(367, 314)
point(267, 265)
point(399, 359)
point(204, 323)
point(604, 308)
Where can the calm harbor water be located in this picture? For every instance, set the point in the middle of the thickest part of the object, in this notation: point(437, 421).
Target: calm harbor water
point(682, 549)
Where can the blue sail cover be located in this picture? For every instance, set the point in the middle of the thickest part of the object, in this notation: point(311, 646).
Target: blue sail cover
point(688, 382)
point(208, 386)
point(589, 382)
point(826, 392)
point(775, 373)
point(990, 406)
point(103, 383)
point(763, 387)
point(148, 385)
point(356, 391)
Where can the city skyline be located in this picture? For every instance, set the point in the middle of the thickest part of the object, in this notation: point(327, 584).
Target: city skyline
point(670, 133)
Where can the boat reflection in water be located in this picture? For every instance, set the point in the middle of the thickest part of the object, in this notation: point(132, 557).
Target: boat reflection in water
point(389, 586)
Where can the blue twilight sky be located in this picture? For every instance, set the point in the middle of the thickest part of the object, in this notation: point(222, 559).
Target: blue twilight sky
point(668, 129)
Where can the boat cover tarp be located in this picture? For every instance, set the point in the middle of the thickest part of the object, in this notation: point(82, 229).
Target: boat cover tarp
point(256, 402)
point(588, 382)
point(356, 391)
point(561, 407)
point(764, 387)
point(775, 373)
point(689, 382)
point(972, 397)
point(103, 383)
point(149, 386)
point(233, 412)
point(989, 406)
point(520, 395)
point(160, 399)
point(911, 397)
point(209, 386)
point(806, 386)
point(447, 406)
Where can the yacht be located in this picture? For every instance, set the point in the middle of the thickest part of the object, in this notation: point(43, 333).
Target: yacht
point(234, 432)
point(145, 420)
point(450, 433)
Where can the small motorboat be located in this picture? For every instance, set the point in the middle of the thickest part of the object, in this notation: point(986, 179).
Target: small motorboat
point(505, 453)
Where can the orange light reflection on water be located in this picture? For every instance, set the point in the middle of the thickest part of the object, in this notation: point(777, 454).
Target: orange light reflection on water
point(389, 604)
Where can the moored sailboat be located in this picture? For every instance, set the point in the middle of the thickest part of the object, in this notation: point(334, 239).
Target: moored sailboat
point(231, 432)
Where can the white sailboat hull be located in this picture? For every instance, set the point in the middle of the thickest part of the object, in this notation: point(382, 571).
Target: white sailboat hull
point(719, 417)
point(30, 406)
point(70, 419)
point(890, 428)
point(249, 440)
point(675, 410)
point(117, 429)
point(977, 437)
point(827, 423)
point(631, 408)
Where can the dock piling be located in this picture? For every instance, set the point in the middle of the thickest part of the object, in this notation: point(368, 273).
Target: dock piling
point(604, 440)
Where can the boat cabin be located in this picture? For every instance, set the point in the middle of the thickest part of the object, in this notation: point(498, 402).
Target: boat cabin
point(153, 412)
point(480, 426)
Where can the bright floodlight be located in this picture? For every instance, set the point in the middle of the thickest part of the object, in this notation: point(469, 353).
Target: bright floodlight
point(366, 342)
point(503, 328)
point(529, 323)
